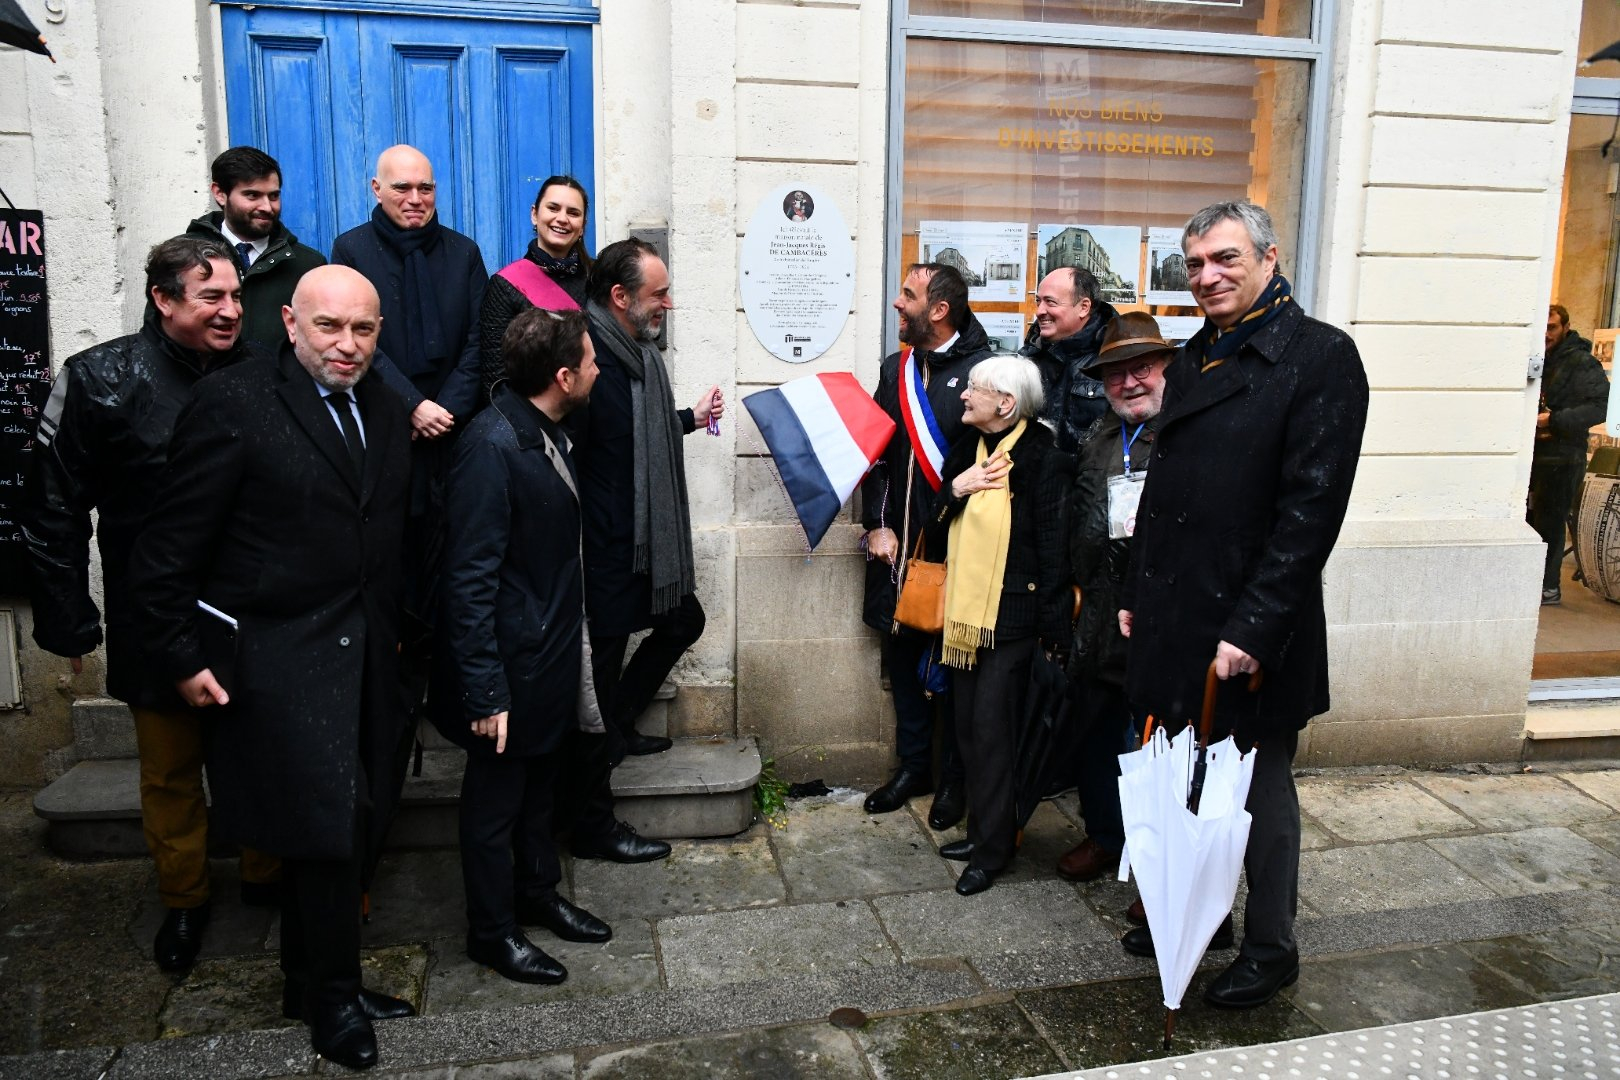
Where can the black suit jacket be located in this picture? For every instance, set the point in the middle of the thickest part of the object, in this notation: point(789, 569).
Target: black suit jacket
point(263, 515)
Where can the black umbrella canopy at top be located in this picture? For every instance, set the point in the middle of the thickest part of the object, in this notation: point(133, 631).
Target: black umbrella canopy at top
point(17, 29)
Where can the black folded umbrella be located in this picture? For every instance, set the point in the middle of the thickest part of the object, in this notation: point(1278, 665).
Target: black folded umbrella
point(16, 29)
point(1048, 714)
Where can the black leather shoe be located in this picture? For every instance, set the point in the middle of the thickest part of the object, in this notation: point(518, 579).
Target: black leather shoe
point(343, 1034)
point(950, 803)
point(638, 745)
point(265, 894)
point(623, 845)
point(567, 921)
point(1249, 982)
point(376, 1006)
point(903, 785)
point(974, 880)
point(517, 958)
point(180, 937)
point(1138, 940)
point(957, 851)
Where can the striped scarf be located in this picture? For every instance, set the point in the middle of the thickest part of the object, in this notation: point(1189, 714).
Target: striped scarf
point(1212, 346)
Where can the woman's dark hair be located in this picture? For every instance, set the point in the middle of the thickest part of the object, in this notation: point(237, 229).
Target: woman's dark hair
point(537, 343)
point(570, 182)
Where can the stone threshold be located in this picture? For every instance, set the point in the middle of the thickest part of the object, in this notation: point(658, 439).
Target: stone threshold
point(530, 1030)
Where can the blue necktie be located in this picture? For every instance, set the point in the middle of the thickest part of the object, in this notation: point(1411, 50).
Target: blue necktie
point(245, 250)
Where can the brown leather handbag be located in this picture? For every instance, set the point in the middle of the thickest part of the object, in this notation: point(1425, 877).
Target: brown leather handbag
point(921, 603)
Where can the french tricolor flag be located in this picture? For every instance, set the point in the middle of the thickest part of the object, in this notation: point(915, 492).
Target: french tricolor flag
point(824, 432)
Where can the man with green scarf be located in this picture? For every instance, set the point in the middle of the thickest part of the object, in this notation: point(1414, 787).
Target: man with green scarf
point(637, 525)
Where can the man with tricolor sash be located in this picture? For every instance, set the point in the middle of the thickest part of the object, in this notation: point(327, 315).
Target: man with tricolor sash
point(920, 387)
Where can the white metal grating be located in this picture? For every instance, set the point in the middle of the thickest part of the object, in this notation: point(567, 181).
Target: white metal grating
point(1567, 1040)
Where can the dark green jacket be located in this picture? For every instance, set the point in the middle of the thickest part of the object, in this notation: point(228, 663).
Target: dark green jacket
point(1576, 392)
point(268, 284)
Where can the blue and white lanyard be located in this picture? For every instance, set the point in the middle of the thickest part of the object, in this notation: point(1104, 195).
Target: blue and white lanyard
point(1129, 441)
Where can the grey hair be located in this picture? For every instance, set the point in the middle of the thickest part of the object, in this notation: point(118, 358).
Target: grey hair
point(1262, 233)
point(1014, 375)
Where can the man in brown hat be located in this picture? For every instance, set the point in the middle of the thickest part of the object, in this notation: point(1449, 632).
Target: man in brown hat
point(1113, 463)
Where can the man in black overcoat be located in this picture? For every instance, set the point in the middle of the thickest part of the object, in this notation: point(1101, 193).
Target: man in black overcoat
point(940, 332)
point(284, 508)
point(1255, 454)
point(513, 680)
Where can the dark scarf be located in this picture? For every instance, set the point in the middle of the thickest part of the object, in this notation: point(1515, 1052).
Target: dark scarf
point(663, 520)
point(423, 339)
point(1212, 347)
point(567, 272)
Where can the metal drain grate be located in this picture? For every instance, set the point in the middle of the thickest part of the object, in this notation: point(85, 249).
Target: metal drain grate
point(1569, 1040)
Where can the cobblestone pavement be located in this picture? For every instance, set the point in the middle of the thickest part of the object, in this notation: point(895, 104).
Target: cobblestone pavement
point(1424, 895)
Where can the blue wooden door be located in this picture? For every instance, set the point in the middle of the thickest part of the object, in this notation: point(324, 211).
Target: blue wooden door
point(496, 105)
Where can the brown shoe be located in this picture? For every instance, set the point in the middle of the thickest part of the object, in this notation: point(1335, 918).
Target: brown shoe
point(1136, 913)
point(1088, 861)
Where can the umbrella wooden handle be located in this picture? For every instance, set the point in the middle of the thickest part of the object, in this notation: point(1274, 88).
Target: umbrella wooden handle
point(1212, 685)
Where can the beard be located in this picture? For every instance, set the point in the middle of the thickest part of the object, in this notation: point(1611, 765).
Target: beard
point(250, 228)
point(643, 319)
point(912, 332)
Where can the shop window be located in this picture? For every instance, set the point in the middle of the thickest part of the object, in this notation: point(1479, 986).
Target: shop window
point(1018, 159)
point(1278, 18)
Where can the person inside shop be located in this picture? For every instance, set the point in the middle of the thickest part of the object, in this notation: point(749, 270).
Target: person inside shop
point(1574, 398)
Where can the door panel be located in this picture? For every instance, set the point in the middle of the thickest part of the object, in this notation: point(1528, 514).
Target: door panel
point(497, 106)
point(282, 96)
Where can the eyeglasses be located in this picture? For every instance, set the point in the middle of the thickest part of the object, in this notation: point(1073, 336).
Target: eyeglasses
point(1115, 375)
point(980, 388)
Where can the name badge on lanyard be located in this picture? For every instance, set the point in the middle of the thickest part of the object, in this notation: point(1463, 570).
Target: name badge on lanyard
point(1125, 492)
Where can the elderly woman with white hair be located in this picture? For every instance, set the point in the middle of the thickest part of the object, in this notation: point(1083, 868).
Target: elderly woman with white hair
point(1000, 501)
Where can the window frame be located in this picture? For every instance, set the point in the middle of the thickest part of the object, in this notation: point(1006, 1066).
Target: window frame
point(1316, 51)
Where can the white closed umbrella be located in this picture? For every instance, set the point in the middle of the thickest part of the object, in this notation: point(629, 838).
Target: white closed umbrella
point(1186, 861)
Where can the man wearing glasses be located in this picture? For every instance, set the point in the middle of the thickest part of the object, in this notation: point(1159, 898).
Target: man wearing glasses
point(1070, 318)
point(431, 281)
point(1113, 464)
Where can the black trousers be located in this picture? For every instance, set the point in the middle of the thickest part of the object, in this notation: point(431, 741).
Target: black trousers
point(506, 837)
point(1106, 735)
point(320, 929)
point(989, 704)
point(625, 690)
point(1271, 861)
point(914, 711)
point(1554, 486)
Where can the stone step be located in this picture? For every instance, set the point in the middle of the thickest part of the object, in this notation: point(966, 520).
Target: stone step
point(700, 788)
point(103, 728)
point(1556, 730)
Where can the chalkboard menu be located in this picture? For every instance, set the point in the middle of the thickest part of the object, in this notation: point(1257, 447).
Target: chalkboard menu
point(25, 375)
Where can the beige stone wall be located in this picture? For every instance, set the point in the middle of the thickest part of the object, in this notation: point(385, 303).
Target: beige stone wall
point(728, 103)
point(1447, 147)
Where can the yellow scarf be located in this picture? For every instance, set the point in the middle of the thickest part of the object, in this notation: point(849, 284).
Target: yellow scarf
point(977, 563)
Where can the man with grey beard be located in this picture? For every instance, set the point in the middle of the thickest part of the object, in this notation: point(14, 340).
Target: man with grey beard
point(637, 526)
